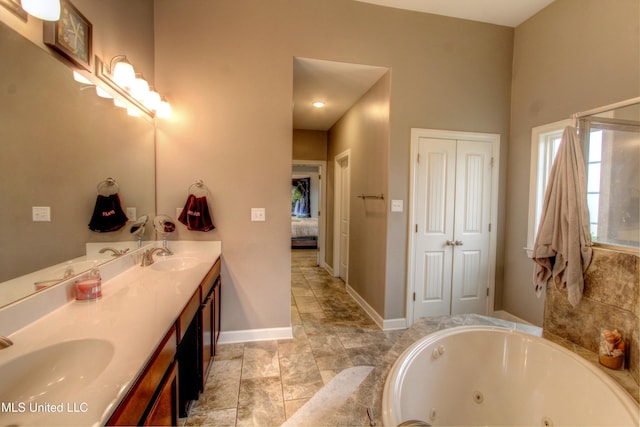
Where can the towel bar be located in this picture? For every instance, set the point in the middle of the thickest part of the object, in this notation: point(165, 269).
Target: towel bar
point(371, 196)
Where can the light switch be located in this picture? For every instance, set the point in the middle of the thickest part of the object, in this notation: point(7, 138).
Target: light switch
point(258, 214)
point(41, 213)
point(397, 205)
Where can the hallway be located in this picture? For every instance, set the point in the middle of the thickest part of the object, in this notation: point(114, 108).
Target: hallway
point(264, 383)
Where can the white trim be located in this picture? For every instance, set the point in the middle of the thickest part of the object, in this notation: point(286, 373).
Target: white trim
point(504, 315)
point(492, 138)
point(322, 206)
point(385, 325)
point(250, 335)
point(337, 201)
point(365, 306)
point(329, 269)
point(536, 133)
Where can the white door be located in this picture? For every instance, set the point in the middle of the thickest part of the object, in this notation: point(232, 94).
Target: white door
point(452, 210)
point(341, 196)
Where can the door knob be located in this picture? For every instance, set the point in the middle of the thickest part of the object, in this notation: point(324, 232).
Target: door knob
point(458, 243)
point(450, 243)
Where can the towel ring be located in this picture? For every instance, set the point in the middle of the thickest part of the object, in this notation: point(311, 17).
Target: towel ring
point(198, 186)
point(108, 187)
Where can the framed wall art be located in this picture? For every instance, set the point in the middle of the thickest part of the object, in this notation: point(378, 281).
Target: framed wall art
point(71, 36)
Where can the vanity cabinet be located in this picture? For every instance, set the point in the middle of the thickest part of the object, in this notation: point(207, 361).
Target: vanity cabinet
point(200, 321)
point(177, 371)
point(152, 399)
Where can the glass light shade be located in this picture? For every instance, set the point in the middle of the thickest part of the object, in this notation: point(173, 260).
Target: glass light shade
point(123, 73)
point(140, 89)
point(103, 93)
point(47, 10)
point(164, 110)
point(133, 112)
point(119, 104)
point(81, 79)
point(153, 100)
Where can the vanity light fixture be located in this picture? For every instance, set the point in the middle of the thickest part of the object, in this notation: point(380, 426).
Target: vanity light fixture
point(140, 88)
point(47, 10)
point(164, 110)
point(129, 90)
point(122, 71)
point(77, 76)
point(318, 104)
point(103, 93)
point(153, 100)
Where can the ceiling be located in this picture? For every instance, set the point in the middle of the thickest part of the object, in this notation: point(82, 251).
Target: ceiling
point(340, 85)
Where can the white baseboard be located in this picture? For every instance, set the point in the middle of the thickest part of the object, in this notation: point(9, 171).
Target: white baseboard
point(249, 335)
point(329, 269)
point(385, 325)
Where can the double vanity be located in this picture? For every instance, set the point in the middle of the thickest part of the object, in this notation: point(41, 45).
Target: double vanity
point(138, 355)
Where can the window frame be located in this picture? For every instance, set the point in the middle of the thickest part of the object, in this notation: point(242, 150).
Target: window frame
point(537, 184)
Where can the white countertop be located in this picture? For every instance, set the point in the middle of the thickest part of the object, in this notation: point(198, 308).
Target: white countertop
point(137, 308)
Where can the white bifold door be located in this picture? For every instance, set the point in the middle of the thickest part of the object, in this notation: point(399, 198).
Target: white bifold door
point(452, 211)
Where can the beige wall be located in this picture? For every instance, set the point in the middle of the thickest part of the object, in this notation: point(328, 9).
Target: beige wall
point(309, 145)
point(226, 65)
point(573, 56)
point(364, 130)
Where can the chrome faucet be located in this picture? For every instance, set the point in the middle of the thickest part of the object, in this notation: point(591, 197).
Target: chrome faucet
point(116, 253)
point(147, 258)
point(5, 342)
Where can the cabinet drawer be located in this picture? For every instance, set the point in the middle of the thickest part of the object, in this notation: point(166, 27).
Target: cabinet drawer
point(187, 315)
point(210, 279)
point(135, 404)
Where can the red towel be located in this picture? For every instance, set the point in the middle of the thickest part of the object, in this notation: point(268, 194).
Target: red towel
point(195, 214)
point(107, 214)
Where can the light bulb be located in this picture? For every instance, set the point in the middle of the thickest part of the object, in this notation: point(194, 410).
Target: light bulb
point(47, 10)
point(140, 89)
point(152, 101)
point(318, 104)
point(123, 73)
point(164, 110)
point(119, 103)
point(81, 79)
point(103, 93)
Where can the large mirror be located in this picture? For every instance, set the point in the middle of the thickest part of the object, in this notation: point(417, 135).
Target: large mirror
point(59, 142)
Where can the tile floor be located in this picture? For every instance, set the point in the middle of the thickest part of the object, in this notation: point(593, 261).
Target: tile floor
point(264, 383)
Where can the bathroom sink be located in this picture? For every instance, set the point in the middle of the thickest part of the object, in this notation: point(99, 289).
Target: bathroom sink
point(175, 263)
point(53, 373)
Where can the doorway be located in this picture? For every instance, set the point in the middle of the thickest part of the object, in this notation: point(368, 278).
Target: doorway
point(341, 196)
point(453, 209)
point(308, 229)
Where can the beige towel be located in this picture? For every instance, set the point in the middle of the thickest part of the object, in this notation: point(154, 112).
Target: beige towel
point(562, 249)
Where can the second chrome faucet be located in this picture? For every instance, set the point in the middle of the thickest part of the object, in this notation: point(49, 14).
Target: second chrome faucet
point(147, 257)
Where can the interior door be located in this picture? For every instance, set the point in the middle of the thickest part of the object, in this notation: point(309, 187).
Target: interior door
point(452, 210)
point(471, 228)
point(344, 219)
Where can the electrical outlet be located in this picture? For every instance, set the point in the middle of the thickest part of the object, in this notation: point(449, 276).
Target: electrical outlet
point(131, 214)
point(397, 205)
point(258, 214)
point(41, 213)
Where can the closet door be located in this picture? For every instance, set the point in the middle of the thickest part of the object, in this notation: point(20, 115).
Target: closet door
point(471, 228)
point(452, 210)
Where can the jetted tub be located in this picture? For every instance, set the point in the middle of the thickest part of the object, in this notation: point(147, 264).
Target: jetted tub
point(493, 376)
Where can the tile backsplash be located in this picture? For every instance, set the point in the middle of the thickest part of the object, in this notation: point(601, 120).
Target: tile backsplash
point(611, 300)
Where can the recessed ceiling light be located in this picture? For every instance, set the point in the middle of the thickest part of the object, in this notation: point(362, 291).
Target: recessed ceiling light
point(318, 104)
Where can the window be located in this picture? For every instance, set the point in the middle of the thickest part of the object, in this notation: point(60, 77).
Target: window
point(545, 141)
point(611, 149)
point(611, 141)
